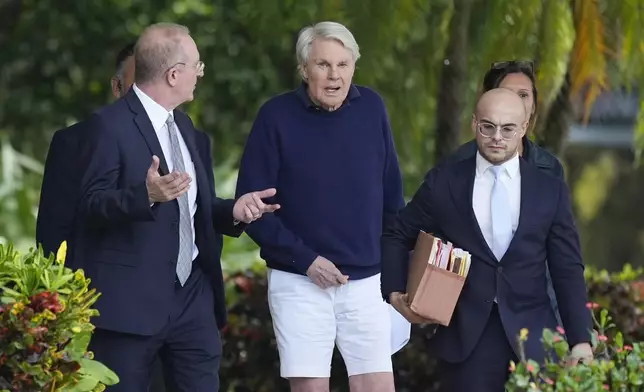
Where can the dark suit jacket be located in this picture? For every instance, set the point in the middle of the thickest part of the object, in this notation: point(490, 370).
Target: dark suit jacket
point(130, 249)
point(60, 190)
point(534, 155)
point(443, 205)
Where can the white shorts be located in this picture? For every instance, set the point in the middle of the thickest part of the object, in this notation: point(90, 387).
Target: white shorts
point(309, 321)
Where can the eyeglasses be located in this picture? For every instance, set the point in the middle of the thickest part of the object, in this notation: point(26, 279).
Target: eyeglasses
point(199, 67)
point(522, 64)
point(489, 130)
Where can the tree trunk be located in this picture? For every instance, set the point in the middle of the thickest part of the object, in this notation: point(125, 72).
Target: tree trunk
point(451, 93)
point(556, 124)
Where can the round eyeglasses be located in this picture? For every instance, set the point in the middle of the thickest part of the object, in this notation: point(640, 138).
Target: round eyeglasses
point(489, 130)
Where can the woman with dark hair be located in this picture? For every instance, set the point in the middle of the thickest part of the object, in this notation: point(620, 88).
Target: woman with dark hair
point(519, 77)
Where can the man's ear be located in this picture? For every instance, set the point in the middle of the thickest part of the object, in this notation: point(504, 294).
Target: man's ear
point(171, 77)
point(524, 128)
point(116, 87)
point(474, 126)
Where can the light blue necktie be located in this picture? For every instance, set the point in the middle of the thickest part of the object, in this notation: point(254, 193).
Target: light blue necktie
point(184, 261)
point(500, 211)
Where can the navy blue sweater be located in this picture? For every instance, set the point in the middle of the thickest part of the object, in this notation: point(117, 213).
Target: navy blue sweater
point(337, 179)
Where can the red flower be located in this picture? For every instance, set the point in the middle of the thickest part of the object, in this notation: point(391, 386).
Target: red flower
point(602, 338)
point(561, 330)
point(592, 305)
point(628, 348)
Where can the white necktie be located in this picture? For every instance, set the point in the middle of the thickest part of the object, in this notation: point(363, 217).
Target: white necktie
point(500, 212)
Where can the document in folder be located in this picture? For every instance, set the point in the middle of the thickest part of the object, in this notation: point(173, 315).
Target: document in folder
point(437, 272)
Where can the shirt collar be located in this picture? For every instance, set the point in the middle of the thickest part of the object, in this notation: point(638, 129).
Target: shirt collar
point(303, 95)
point(157, 113)
point(511, 167)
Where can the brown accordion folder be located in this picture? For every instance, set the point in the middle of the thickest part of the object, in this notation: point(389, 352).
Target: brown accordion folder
point(437, 273)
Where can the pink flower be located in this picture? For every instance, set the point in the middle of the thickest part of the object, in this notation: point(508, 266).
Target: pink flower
point(561, 330)
point(602, 338)
point(592, 305)
point(628, 348)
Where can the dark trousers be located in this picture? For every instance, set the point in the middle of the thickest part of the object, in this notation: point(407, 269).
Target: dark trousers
point(487, 368)
point(188, 346)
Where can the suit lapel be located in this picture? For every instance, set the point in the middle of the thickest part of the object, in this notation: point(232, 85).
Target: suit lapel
point(461, 186)
point(188, 133)
point(529, 190)
point(145, 127)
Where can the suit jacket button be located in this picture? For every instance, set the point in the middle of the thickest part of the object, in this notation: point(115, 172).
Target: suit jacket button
point(499, 270)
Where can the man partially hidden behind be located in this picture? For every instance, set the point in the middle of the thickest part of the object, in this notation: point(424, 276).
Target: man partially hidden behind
point(511, 217)
point(64, 169)
point(124, 76)
point(327, 148)
point(151, 223)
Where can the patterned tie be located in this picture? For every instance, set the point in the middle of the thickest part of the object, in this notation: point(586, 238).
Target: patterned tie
point(184, 262)
point(500, 212)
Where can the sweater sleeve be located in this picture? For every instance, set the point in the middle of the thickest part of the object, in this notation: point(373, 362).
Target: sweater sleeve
point(258, 170)
point(393, 198)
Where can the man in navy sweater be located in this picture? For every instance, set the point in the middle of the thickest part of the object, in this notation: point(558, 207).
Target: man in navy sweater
point(328, 150)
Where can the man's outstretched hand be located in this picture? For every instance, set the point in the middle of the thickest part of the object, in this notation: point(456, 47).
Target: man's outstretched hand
point(250, 206)
point(165, 188)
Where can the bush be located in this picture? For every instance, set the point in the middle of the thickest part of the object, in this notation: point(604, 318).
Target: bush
point(617, 366)
point(45, 328)
point(251, 362)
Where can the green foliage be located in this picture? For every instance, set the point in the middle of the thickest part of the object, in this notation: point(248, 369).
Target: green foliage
point(617, 366)
point(45, 329)
point(250, 360)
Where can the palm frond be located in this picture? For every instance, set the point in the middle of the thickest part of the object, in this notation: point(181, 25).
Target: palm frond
point(589, 73)
point(556, 42)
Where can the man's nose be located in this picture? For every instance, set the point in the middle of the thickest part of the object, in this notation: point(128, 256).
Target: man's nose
point(333, 73)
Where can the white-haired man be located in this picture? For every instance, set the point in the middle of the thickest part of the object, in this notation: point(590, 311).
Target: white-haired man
point(328, 150)
point(152, 222)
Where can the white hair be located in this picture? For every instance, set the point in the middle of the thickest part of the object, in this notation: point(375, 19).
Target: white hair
point(324, 30)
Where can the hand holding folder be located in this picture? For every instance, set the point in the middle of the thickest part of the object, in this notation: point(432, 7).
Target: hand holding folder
point(437, 273)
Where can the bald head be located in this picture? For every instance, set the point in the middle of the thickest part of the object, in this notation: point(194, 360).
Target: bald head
point(159, 47)
point(499, 123)
point(501, 101)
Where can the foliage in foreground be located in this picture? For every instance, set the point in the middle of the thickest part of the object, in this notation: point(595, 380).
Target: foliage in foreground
point(45, 329)
point(617, 366)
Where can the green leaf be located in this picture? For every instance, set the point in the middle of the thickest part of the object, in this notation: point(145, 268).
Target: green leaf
point(96, 369)
point(86, 383)
point(78, 346)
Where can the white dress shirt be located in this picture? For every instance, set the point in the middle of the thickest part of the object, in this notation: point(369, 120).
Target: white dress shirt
point(481, 197)
point(158, 116)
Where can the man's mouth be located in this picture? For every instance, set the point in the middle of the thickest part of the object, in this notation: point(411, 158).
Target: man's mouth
point(331, 89)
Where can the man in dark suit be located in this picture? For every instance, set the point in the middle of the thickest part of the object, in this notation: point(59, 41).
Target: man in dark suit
point(511, 217)
point(150, 244)
point(64, 169)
